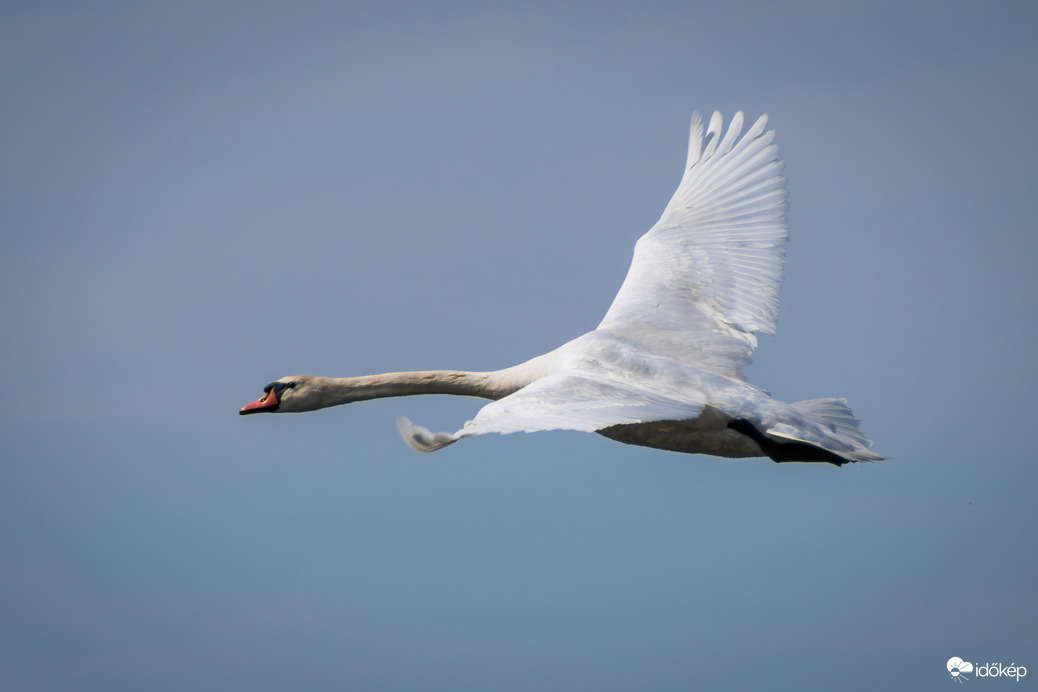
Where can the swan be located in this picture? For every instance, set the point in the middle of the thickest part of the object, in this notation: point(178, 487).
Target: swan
point(664, 368)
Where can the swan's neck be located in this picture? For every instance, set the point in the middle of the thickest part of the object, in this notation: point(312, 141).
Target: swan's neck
point(333, 391)
point(421, 382)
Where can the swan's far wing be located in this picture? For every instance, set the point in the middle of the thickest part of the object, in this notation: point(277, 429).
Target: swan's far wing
point(707, 275)
point(585, 401)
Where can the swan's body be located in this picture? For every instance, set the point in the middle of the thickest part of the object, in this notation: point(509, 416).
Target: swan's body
point(664, 367)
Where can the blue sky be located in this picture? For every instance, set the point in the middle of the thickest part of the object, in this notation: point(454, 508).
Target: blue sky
point(199, 198)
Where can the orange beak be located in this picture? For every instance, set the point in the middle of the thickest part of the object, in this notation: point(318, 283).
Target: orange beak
point(269, 400)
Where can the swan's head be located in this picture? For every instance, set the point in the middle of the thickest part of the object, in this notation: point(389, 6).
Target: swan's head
point(287, 395)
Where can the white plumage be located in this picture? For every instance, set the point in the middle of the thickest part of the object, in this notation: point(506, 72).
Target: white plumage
point(664, 368)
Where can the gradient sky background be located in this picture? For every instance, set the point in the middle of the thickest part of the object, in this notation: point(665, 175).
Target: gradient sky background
point(201, 197)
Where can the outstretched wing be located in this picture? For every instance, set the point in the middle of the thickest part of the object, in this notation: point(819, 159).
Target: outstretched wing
point(703, 280)
point(583, 400)
point(707, 275)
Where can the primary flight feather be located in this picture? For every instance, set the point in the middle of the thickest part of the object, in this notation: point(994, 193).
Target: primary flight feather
point(664, 368)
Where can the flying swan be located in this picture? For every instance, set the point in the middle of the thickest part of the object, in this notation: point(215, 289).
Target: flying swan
point(664, 367)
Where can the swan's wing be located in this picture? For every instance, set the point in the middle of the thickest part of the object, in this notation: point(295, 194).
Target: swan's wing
point(707, 275)
point(585, 401)
point(582, 401)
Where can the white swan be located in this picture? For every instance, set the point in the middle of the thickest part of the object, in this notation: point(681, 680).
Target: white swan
point(664, 367)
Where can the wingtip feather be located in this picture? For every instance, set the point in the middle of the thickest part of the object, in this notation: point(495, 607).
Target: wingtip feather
point(713, 134)
point(695, 140)
point(422, 439)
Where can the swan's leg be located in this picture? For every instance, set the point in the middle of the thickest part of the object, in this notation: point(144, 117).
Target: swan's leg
point(785, 451)
point(421, 439)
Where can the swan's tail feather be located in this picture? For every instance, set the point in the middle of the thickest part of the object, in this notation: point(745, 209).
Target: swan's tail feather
point(421, 439)
point(819, 430)
point(842, 430)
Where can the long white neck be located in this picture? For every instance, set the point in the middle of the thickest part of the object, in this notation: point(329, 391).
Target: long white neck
point(345, 390)
point(333, 391)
